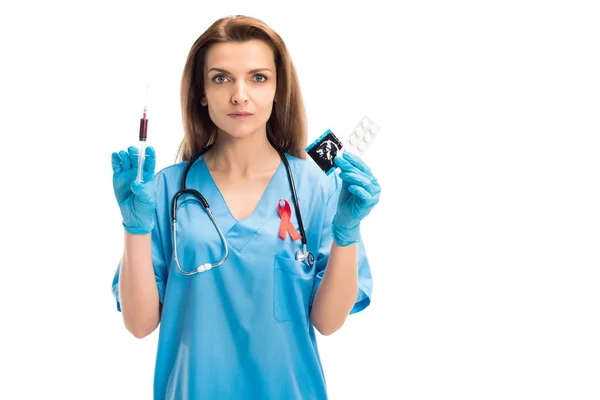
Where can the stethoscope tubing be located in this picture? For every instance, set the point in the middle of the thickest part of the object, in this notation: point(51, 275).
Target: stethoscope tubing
point(301, 255)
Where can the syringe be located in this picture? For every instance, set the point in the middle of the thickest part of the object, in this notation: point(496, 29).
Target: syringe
point(142, 140)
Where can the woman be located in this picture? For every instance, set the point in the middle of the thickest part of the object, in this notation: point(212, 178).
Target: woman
point(243, 328)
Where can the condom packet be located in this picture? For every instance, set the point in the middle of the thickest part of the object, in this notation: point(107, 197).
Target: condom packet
point(324, 150)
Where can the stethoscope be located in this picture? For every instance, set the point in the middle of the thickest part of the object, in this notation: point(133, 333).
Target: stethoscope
point(301, 255)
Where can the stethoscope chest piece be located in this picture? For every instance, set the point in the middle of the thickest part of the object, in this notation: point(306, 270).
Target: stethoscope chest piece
point(310, 259)
point(305, 256)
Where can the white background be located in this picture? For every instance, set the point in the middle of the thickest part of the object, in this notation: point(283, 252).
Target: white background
point(484, 246)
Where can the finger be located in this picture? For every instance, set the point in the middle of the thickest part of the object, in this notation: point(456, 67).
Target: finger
point(150, 161)
point(133, 156)
point(357, 162)
point(369, 180)
point(125, 162)
point(374, 199)
point(143, 192)
point(356, 178)
point(368, 198)
point(348, 166)
point(360, 192)
point(149, 164)
point(342, 163)
point(116, 163)
point(376, 189)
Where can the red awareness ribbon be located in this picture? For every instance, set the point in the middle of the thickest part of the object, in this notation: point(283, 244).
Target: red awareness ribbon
point(286, 226)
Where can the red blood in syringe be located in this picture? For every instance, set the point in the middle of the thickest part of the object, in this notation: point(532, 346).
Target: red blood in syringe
point(143, 127)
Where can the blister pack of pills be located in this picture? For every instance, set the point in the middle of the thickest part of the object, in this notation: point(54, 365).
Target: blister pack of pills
point(362, 137)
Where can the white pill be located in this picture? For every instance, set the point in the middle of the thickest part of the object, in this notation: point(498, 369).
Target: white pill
point(362, 136)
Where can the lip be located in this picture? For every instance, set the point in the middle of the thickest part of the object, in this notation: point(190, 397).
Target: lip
point(240, 115)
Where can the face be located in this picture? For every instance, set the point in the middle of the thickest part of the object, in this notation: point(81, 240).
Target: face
point(240, 77)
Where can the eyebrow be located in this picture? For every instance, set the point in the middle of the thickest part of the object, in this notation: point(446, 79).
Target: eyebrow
point(249, 72)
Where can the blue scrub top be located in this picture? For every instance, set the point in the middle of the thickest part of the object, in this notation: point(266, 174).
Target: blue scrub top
point(242, 330)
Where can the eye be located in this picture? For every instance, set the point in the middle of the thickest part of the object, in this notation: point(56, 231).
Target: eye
point(215, 79)
point(261, 76)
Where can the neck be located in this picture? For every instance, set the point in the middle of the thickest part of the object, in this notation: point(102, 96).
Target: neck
point(242, 157)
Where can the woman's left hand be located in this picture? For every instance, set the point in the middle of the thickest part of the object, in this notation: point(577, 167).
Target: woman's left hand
point(359, 194)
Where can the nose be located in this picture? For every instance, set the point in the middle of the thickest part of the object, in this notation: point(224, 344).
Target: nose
point(239, 95)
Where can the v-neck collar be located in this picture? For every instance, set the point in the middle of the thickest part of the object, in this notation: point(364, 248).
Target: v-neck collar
point(239, 233)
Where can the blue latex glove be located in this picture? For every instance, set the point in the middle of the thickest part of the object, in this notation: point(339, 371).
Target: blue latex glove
point(359, 194)
point(136, 199)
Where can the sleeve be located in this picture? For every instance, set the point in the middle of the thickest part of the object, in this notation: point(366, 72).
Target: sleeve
point(158, 257)
point(365, 280)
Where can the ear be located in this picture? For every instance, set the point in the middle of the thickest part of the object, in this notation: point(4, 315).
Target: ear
point(204, 102)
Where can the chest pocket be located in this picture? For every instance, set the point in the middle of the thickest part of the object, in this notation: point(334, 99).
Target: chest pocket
point(292, 288)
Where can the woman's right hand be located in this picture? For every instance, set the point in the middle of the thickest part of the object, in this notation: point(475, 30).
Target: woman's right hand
point(136, 199)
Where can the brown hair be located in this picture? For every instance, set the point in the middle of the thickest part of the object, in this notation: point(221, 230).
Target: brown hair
point(286, 128)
